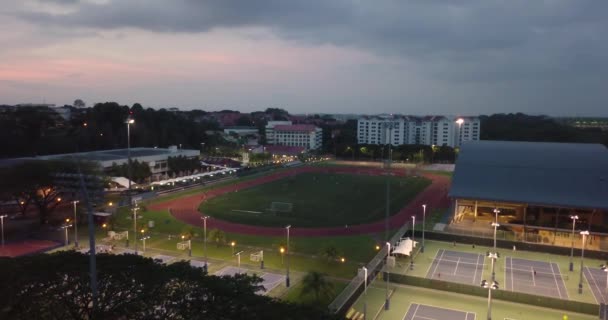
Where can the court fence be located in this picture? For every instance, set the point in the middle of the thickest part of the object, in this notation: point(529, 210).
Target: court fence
point(355, 287)
point(517, 297)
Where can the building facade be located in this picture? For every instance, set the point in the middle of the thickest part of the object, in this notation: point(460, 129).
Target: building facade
point(427, 130)
point(284, 133)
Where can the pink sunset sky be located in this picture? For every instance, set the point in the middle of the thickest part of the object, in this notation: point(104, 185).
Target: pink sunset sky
point(414, 57)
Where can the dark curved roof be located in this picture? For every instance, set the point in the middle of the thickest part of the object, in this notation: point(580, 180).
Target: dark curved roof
point(573, 175)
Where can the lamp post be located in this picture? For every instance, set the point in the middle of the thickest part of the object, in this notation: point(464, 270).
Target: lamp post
point(205, 240)
point(144, 242)
point(66, 227)
point(75, 224)
point(490, 286)
point(135, 226)
point(574, 218)
point(388, 254)
point(495, 225)
point(605, 269)
point(580, 281)
point(413, 229)
point(238, 259)
point(288, 253)
point(423, 226)
point(129, 122)
point(460, 121)
point(364, 292)
point(2, 222)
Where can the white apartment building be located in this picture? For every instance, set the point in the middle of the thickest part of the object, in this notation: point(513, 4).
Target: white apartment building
point(284, 133)
point(427, 130)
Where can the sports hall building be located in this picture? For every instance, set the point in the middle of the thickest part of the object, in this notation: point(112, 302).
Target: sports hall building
point(537, 188)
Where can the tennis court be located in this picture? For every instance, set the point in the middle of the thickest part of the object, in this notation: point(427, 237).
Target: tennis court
point(598, 283)
point(269, 280)
point(536, 277)
point(426, 312)
point(456, 266)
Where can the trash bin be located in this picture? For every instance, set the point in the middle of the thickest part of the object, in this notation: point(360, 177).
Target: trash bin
point(151, 224)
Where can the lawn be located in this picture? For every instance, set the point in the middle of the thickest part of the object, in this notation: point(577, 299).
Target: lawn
point(319, 200)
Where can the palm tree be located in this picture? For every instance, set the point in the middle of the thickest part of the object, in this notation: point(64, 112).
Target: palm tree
point(316, 283)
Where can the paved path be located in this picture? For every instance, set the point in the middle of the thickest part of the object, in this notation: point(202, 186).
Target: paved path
point(186, 209)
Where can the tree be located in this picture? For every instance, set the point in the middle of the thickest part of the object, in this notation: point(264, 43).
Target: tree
point(78, 103)
point(56, 286)
point(317, 284)
point(216, 235)
point(330, 253)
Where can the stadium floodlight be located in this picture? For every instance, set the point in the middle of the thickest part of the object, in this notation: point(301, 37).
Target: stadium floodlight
point(580, 281)
point(2, 222)
point(574, 218)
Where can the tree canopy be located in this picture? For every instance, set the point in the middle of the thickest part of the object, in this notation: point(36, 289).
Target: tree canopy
point(56, 286)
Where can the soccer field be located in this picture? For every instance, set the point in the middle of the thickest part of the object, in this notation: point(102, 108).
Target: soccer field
point(318, 200)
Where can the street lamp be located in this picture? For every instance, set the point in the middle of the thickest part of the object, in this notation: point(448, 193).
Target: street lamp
point(75, 224)
point(574, 218)
point(129, 122)
point(580, 281)
point(495, 225)
point(2, 222)
point(282, 250)
point(605, 269)
point(388, 254)
point(460, 121)
point(144, 241)
point(232, 244)
point(238, 260)
point(66, 227)
point(134, 227)
point(205, 240)
point(189, 246)
point(288, 253)
point(364, 292)
point(423, 226)
point(490, 287)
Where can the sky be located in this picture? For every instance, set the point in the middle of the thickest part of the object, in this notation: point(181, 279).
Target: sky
point(457, 57)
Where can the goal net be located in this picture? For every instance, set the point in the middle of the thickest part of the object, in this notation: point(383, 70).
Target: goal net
point(182, 245)
point(257, 256)
point(281, 207)
point(119, 235)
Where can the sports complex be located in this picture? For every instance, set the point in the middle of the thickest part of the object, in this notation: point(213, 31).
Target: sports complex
point(449, 236)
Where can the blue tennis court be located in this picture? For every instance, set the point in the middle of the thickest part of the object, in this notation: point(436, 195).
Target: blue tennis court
point(269, 280)
point(426, 312)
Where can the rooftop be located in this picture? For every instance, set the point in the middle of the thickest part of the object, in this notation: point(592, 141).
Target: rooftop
point(295, 127)
point(572, 175)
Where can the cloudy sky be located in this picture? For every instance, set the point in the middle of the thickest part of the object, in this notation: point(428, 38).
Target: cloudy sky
point(333, 56)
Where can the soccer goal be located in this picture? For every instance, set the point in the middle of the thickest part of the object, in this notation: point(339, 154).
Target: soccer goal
point(281, 207)
point(119, 235)
point(182, 245)
point(257, 256)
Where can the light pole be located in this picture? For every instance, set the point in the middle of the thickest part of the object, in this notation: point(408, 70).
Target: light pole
point(288, 253)
point(135, 226)
point(205, 240)
point(490, 287)
point(189, 246)
point(66, 227)
point(580, 281)
point(2, 222)
point(75, 224)
point(574, 218)
point(144, 241)
point(388, 254)
point(364, 292)
point(129, 122)
point(495, 225)
point(605, 269)
point(413, 229)
point(460, 121)
point(238, 259)
point(423, 226)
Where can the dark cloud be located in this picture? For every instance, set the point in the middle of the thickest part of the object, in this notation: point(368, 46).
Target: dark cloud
point(527, 44)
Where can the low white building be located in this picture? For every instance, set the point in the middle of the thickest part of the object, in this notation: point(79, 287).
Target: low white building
point(284, 133)
point(427, 130)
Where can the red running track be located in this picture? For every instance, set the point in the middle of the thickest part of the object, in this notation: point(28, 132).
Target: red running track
point(186, 209)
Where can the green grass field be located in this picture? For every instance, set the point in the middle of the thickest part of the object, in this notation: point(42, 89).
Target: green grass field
point(319, 200)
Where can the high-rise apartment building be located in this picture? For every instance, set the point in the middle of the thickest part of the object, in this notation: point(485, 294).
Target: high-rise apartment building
point(284, 133)
point(427, 130)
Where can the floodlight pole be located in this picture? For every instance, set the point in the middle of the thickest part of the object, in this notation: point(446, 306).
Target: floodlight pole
point(205, 240)
point(580, 281)
point(135, 226)
point(495, 225)
point(288, 254)
point(75, 224)
point(574, 218)
point(2, 222)
point(388, 254)
point(128, 122)
point(365, 292)
point(423, 226)
point(496, 212)
point(189, 247)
